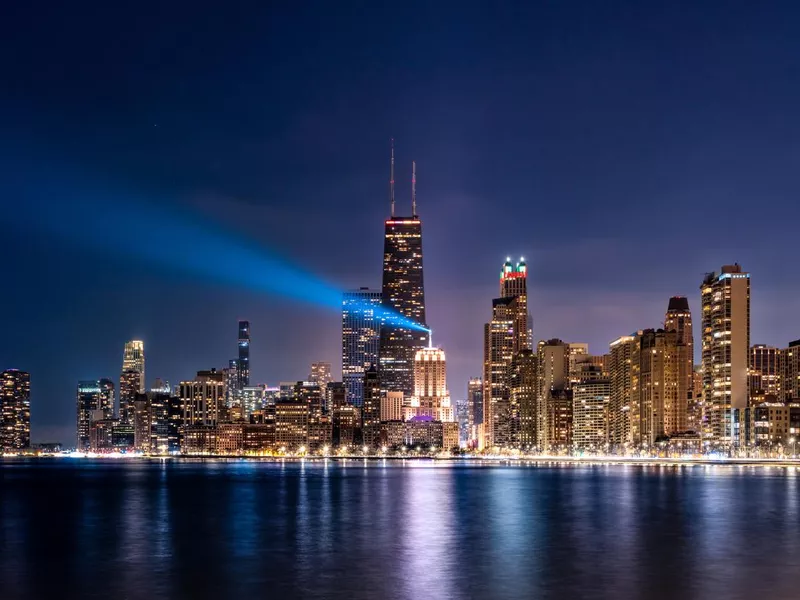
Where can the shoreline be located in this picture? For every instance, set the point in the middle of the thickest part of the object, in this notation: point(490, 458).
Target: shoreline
point(477, 460)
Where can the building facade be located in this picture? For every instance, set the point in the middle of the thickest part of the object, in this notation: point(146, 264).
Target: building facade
point(361, 326)
point(15, 410)
point(590, 400)
point(431, 397)
point(133, 360)
point(620, 398)
point(95, 401)
point(725, 297)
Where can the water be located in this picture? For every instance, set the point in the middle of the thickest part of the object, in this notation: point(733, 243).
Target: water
point(414, 530)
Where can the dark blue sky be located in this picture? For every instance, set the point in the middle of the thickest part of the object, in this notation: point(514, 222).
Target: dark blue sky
point(623, 148)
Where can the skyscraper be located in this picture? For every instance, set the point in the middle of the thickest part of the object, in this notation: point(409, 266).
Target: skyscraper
point(523, 386)
point(431, 397)
point(679, 319)
point(659, 391)
point(554, 404)
point(130, 382)
point(499, 341)
point(95, 402)
point(15, 410)
point(791, 372)
point(371, 408)
point(243, 366)
point(202, 400)
point(514, 284)
point(725, 299)
point(133, 360)
point(360, 339)
point(402, 295)
point(620, 400)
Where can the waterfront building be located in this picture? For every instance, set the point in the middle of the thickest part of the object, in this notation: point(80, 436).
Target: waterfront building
point(590, 400)
point(725, 298)
point(15, 410)
point(360, 339)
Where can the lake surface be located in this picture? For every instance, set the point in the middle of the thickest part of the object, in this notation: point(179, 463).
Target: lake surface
point(414, 530)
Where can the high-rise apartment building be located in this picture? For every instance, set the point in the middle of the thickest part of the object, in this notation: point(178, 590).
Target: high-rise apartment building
point(725, 300)
point(403, 296)
point(765, 376)
point(15, 410)
point(133, 360)
point(655, 409)
point(590, 399)
point(361, 329)
point(620, 398)
point(554, 409)
point(95, 401)
point(243, 366)
point(431, 397)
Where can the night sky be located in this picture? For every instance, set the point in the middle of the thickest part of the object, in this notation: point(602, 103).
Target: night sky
point(152, 152)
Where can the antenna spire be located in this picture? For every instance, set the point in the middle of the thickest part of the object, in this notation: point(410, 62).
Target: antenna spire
point(391, 179)
point(413, 188)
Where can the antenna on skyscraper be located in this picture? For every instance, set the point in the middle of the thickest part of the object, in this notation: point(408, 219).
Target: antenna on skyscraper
point(391, 180)
point(413, 188)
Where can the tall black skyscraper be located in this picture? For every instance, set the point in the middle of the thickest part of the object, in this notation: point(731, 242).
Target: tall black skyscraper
point(403, 293)
point(243, 369)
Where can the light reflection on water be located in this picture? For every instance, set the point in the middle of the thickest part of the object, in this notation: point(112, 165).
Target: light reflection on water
point(385, 529)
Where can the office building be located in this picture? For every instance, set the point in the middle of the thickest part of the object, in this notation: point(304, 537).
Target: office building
point(130, 385)
point(725, 300)
point(402, 296)
point(431, 397)
point(371, 408)
point(95, 401)
point(243, 364)
point(475, 409)
point(499, 343)
point(291, 425)
point(320, 374)
point(791, 372)
point(361, 328)
point(392, 406)
point(15, 410)
point(133, 360)
point(514, 284)
point(202, 400)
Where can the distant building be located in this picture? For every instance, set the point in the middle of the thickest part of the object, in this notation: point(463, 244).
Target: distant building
point(360, 339)
point(15, 410)
point(95, 401)
point(475, 409)
point(320, 374)
point(243, 366)
point(678, 318)
point(133, 360)
point(776, 425)
point(130, 385)
point(554, 411)
point(791, 372)
point(726, 345)
point(498, 350)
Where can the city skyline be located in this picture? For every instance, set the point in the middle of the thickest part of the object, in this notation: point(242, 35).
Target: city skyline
point(574, 157)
